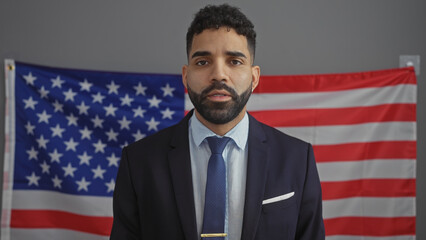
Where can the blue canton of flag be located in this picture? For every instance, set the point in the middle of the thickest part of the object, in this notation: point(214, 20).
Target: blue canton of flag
point(71, 124)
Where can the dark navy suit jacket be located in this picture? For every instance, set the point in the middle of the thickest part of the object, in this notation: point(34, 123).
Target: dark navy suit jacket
point(153, 197)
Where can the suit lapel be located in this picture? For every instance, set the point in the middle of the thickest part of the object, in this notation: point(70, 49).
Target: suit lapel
point(256, 178)
point(180, 169)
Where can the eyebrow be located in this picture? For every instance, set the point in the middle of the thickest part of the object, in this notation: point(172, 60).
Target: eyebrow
point(229, 53)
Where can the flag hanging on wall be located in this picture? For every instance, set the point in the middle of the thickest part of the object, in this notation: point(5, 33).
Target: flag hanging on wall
point(65, 130)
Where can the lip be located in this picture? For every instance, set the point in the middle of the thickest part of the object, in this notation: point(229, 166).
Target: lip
point(219, 96)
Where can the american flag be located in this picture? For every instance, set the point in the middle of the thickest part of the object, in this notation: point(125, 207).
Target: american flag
point(65, 130)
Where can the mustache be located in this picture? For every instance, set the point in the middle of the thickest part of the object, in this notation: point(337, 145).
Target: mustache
point(216, 85)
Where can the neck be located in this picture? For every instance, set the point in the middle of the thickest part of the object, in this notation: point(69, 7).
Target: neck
point(221, 129)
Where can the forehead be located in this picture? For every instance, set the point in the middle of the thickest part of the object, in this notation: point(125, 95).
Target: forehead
point(219, 40)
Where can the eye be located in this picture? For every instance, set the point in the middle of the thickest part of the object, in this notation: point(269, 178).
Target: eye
point(236, 62)
point(201, 63)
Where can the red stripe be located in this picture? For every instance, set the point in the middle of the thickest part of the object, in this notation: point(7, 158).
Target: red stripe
point(370, 226)
point(337, 116)
point(335, 82)
point(364, 151)
point(369, 188)
point(60, 219)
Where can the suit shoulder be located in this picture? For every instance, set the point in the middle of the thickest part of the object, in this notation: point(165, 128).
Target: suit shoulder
point(161, 138)
point(278, 136)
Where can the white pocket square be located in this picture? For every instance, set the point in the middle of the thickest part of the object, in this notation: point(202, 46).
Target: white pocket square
point(279, 198)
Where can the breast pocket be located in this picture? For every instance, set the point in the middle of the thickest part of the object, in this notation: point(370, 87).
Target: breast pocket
point(278, 203)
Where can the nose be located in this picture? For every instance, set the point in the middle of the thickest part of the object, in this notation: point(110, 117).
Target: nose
point(219, 72)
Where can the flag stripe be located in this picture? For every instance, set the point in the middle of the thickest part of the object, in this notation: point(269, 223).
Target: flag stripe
point(336, 116)
point(335, 82)
point(364, 151)
point(48, 219)
point(369, 188)
point(46, 233)
point(84, 205)
point(347, 237)
point(403, 93)
point(370, 226)
point(370, 207)
point(366, 132)
point(369, 169)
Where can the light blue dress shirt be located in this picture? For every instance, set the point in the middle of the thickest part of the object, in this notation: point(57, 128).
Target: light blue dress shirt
point(235, 155)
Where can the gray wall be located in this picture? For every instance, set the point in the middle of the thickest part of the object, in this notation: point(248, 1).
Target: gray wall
point(294, 37)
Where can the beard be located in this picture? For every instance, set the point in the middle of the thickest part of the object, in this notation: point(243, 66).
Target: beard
point(219, 112)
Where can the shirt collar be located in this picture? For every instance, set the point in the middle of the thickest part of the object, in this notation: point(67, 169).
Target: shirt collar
point(239, 133)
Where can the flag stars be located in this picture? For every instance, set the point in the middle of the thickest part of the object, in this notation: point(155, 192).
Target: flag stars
point(113, 88)
point(140, 89)
point(43, 117)
point(32, 154)
point(57, 182)
point(58, 106)
point(138, 112)
point(83, 184)
point(97, 122)
point(42, 142)
point(154, 102)
point(29, 79)
point(85, 86)
point(55, 156)
point(71, 145)
point(69, 170)
point(30, 128)
point(72, 120)
point(168, 114)
point(110, 110)
point(112, 136)
point(113, 160)
point(33, 179)
point(99, 146)
point(30, 103)
point(85, 159)
point(110, 185)
point(82, 108)
point(45, 168)
point(57, 131)
point(85, 133)
point(152, 124)
point(124, 123)
point(167, 90)
point(69, 95)
point(97, 98)
point(43, 92)
point(138, 135)
point(126, 100)
point(57, 82)
point(98, 172)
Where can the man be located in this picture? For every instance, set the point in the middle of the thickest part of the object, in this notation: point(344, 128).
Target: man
point(175, 185)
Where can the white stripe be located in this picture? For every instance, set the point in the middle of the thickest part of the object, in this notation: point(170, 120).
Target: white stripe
point(370, 207)
point(334, 99)
point(342, 237)
point(279, 198)
point(404, 93)
point(91, 206)
point(43, 234)
point(366, 132)
point(368, 169)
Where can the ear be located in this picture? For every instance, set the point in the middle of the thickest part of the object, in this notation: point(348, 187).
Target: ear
point(184, 74)
point(255, 74)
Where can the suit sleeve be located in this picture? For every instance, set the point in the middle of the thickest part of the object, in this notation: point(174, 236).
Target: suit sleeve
point(126, 225)
point(310, 223)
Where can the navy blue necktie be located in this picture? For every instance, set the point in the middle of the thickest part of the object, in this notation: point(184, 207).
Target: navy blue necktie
point(215, 202)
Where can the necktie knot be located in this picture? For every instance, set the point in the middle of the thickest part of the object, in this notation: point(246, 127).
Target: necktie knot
point(217, 145)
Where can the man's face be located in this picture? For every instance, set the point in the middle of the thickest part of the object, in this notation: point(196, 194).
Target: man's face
point(219, 76)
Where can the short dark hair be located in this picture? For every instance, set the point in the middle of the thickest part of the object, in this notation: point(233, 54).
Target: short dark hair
point(223, 15)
